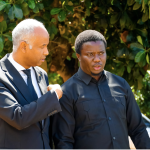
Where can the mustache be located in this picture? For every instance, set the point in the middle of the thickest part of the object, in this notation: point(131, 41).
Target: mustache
point(97, 65)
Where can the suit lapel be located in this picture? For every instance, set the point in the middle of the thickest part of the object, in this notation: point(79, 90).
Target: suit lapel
point(16, 78)
point(43, 86)
point(41, 80)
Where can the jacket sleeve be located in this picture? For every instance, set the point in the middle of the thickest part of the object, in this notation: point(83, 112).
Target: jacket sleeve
point(21, 117)
point(63, 125)
point(136, 127)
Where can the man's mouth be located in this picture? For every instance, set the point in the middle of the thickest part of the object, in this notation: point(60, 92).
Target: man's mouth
point(43, 59)
point(97, 67)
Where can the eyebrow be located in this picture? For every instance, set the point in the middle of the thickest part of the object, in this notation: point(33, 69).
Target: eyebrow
point(94, 52)
point(44, 45)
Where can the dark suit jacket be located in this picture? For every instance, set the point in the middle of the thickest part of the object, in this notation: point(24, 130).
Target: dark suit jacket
point(19, 119)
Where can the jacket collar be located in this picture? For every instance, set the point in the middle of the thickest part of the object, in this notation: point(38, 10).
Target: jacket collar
point(18, 81)
point(87, 78)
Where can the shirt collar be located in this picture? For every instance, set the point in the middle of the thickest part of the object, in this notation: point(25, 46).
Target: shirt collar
point(85, 77)
point(15, 64)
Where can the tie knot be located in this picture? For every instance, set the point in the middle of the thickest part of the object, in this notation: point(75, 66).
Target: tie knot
point(27, 72)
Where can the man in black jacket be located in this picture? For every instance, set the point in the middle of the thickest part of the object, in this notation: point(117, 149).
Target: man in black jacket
point(99, 110)
point(25, 103)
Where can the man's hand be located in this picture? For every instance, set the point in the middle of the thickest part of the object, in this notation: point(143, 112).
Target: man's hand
point(56, 88)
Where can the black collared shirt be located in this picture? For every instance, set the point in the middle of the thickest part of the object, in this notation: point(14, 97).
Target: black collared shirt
point(98, 114)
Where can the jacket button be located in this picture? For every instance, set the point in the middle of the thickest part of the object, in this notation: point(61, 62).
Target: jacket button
point(109, 118)
point(114, 138)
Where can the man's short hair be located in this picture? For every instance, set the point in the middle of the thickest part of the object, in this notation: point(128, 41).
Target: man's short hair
point(86, 36)
point(24, 30)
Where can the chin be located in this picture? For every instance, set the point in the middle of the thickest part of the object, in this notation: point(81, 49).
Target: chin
point(96, 73)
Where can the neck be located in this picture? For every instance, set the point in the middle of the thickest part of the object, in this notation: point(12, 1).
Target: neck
point(96, 76)
point(19, 59)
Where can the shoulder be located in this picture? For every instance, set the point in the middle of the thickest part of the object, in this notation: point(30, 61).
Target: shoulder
point(70, 83)
point(41, 70)
point(114, 78)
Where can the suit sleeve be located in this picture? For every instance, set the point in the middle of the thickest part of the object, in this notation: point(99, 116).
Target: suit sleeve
point(136, 127)
point(63, 125)
point(21, 117)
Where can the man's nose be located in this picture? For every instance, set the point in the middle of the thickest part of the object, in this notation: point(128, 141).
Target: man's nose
point(46, 52)
point(97, 58)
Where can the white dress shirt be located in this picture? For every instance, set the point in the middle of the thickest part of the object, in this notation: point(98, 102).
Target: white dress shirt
point(19, 68)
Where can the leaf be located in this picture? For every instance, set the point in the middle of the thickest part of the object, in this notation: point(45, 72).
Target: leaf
point(70, 3)
point(72, 39)
point(11, 26)
point(55, 11)
point(25, 11)
point(114, 18)
point(140, 83)
point(52, 29)
point(69, 8)
point(18, 12)
point(130, 2)
point(136, 46)
point(3, 26)
point(68, 58)
point(145, 16)
point(136, 6)
point(88, 3)
point(139, 40)
point(19, 1)
point(142, 32)
point(24, 5)
point(128, 69)
point(123, 20)
point(11, 13)
point(147, 58)
point(40, 18)
point(8, 35)
point(62, 15)
point(31, 4)
point(87, 13)
point(74, 55)
point(36, 9)
point(41, 6)
point(141, 57)
point(1, 44)
point(8, 6)
point(121, 71)
point(2, 5)
point(53, 20)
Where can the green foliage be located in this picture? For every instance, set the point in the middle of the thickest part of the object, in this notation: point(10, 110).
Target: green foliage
point(55, 78)
point(125, 25)
point(142, 96)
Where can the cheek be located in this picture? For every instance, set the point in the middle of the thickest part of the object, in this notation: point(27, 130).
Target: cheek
point(103, 58)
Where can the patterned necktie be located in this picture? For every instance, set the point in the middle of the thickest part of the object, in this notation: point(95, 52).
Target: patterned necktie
point(30, 85)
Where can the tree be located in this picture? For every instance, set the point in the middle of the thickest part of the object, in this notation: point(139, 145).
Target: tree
point(124, 23)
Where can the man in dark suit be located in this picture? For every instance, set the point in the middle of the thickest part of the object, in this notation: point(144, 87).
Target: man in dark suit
point(25, 100)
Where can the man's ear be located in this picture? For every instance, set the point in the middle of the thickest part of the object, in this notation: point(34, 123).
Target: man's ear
point(78, 56)
point(23, 46)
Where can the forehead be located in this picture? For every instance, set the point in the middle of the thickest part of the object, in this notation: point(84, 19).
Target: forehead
point(40, 36)
point(93, 46)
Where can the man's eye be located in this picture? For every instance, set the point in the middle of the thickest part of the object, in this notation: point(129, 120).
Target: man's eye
point(101, 53)
point(90, 54)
